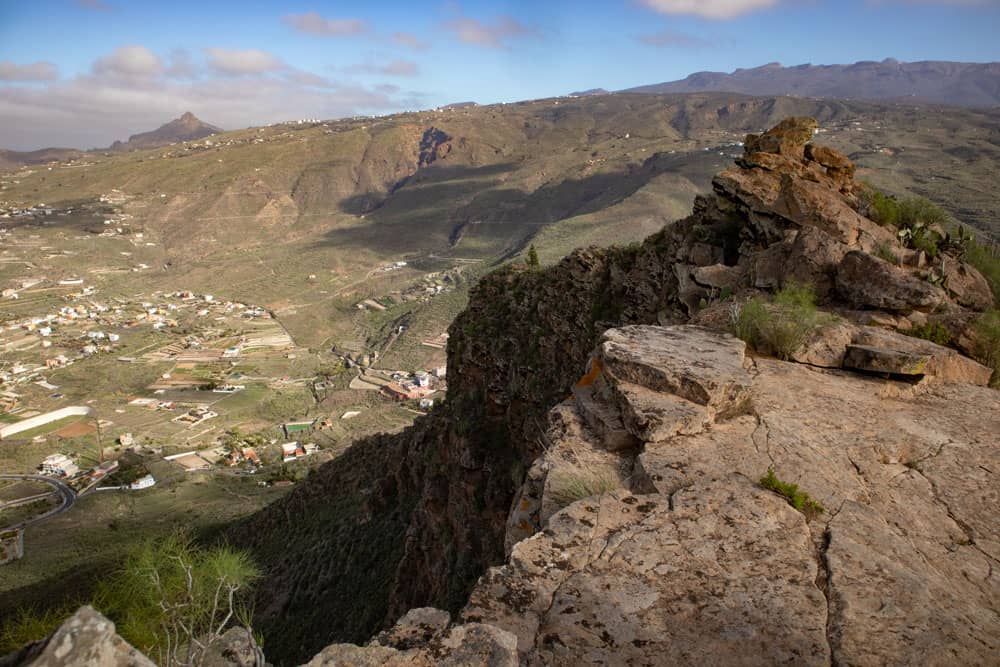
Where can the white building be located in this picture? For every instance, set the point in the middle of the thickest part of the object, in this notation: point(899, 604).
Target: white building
point(59, 465)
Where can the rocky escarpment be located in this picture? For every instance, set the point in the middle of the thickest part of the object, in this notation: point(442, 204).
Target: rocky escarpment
point(414, 519)
point(643, 535)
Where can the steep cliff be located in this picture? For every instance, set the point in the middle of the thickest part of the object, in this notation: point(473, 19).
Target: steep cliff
point(415, 519)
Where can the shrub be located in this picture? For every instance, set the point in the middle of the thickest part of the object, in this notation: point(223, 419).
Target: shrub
point(884, 252)
point(881, 208)
point(987, 348)
point(28, 625)
point(935, 332)
point(986, 262)
point(570, 484)
point(800, 500)
point(781, 327)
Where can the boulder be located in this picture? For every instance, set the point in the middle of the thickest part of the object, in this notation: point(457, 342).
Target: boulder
point(967, 286)
point(828, 157)
point(701, 365)
point(85, 639)
point(721, 573)
point(826, 346)
point(718, 276)
point(865, 281)
point(882, 360)
point(787, 138)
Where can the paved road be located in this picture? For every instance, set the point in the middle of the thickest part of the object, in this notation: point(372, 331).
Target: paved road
point(61, 489)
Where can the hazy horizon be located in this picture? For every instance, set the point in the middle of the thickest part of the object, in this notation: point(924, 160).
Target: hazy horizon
point(129, 69)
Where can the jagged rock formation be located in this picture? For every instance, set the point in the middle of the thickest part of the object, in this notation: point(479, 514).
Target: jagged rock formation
point(691, 561)
point(414, 519)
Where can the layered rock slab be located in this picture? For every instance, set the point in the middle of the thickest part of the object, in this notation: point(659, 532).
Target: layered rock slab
point(721, 573)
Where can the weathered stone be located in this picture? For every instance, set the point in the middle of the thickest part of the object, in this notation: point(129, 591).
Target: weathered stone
point(881, 360)
point(416, 628)
point(867, 281)
point(463, 645)
point(943, 364)
point(85, 639)
point(826, 346)
point(575, 456)
point(813, 259)
point(718, 276)
point(813, 204)
point(653, 416)
point(967, 286)
point(787, 138)
point(828, 157)
point(701, 365)
point(723, 574)
point(603, 419)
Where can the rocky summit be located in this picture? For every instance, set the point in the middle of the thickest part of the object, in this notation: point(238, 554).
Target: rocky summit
point(616, 479)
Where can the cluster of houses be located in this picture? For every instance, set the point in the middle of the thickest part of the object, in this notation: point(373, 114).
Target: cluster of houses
point(416, 386)
point(195, 415)
point(64, 467)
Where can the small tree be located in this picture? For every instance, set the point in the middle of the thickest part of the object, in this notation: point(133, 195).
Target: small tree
point(173, 599)
point(532, 257)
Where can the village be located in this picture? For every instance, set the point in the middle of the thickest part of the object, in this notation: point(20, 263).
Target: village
point(105, 390)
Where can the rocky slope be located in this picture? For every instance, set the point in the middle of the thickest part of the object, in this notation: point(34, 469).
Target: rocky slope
point(962, 84)
point(415, 519)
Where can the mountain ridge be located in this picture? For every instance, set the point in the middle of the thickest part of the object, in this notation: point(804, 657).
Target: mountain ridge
point(934, 81)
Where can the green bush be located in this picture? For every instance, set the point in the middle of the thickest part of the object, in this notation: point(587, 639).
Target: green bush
point(798, 499)
point(982, 257)
point(568, 485)
point(780, 327)
point(988, 343)
point(169, 599)
point(935, 332)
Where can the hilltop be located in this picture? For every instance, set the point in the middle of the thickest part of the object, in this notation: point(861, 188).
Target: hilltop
point(941, 82)
point(675, 421)
point(616, 477)
point(185, 128)
point(339, 253)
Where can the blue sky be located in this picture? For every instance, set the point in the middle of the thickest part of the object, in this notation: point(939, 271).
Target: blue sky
point(84, 72)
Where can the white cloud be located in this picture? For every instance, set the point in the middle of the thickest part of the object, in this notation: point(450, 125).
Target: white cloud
point(488, 35)
point(38, 71)
point(393, 68)
point(93, 110)
point(709, 9)
point(315, 24)
point(236, 62)
point(409, 40)
point(129, 61)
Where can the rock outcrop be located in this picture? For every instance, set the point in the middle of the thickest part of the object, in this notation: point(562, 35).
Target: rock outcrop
point(85, 639)
point(415, 519)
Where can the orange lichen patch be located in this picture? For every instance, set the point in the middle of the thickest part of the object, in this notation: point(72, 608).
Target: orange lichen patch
point(595, 371)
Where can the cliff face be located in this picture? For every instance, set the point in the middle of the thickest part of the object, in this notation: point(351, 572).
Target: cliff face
point(414, 519)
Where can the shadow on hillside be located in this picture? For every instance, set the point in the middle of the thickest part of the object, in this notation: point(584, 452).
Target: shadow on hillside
point(444, 208)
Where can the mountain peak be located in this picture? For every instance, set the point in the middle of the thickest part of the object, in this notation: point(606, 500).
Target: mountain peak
point(187, 127)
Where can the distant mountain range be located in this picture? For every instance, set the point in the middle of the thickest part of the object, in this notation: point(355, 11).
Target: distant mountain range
point(959, 84)
point(186, 128)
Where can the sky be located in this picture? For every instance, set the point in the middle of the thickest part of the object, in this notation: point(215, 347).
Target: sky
point(82, 73)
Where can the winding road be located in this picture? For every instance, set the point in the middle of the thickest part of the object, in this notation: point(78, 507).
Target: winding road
point(63, 490)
